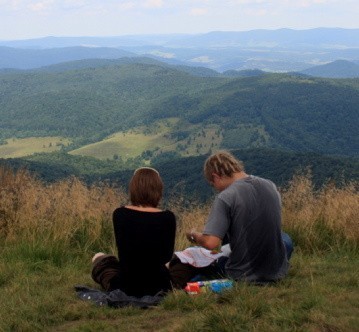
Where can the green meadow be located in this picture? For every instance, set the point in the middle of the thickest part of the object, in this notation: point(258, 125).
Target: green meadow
point(20, 147)
point(50, 232)
point(129, 144)
point(163, 136)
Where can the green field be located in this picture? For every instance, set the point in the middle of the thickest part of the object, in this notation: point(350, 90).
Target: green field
point(20, 147)
point(128, 144)
point(157, 138)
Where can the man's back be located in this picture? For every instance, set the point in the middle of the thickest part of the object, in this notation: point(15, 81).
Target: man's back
point(249, 211)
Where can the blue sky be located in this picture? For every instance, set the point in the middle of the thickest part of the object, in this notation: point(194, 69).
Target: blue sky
point(23, 19)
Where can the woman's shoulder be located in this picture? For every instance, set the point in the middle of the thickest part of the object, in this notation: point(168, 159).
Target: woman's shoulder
point(120, 209)
point(124, 210)
point(168, 211)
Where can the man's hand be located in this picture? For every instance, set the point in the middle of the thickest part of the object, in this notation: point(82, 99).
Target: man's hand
point(191, 236)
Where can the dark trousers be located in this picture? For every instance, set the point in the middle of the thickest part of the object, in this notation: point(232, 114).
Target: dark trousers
point(182, 273)
point(106, 272)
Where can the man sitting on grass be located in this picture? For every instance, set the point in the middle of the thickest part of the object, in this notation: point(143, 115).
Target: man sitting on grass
point(247, 211)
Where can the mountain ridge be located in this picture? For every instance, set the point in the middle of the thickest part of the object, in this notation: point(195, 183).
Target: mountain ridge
point(280, 50)
point(34, 58)
point(273, 110)
point(335, 69)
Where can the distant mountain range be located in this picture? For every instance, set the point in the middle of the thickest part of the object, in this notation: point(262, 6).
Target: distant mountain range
point(329, 38)
point(282, 50)
point(35, 58)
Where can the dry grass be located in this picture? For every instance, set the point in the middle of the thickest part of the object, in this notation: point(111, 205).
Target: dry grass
point(29, 209)
point(189, 218)
point(323, 218)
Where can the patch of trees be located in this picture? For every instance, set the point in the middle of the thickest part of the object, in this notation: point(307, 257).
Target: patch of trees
point(183, 176)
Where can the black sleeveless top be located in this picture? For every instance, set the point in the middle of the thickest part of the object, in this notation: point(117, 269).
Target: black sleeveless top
point(145, 243)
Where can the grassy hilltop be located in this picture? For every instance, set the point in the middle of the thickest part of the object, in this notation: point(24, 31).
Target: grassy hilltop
point(48, 234)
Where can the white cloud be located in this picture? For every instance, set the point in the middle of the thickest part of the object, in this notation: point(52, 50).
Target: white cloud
point(126, 5)
point(256, 12)
point(73, 4)
point(309, 3)
point(11, 5)
point(40, 6)
point(198, 11)
point(153, 4)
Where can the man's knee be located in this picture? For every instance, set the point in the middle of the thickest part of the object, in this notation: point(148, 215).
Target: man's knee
point(288, 244)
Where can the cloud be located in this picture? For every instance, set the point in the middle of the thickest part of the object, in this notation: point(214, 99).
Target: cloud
point(198, 11)
point(153, 4)
point(256, 12)
point(73, 4)
point(309, 3)
point(251, 2)
point(11, 5)
point(40, 6)
point(126, 5)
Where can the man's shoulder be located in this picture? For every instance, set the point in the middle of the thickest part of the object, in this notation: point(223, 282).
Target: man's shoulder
point(258, 179)
point(242, 186)
point(233, 192)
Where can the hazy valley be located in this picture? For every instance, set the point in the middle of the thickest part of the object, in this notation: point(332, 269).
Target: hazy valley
point(282, 50)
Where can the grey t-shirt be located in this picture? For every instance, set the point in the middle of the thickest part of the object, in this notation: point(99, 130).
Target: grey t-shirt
point(249, 212)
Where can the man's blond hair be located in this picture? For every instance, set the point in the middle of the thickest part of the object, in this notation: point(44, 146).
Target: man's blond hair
point(222, 163)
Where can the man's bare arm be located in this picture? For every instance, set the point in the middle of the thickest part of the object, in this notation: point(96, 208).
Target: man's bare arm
point(209, 242)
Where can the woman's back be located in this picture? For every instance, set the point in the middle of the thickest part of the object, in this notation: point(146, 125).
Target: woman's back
point(145, 243)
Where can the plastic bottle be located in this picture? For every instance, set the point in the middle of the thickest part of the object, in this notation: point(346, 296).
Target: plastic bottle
point(219, 286)
point(215, 286)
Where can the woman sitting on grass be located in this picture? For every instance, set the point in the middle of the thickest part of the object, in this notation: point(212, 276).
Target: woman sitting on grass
point(145, 237)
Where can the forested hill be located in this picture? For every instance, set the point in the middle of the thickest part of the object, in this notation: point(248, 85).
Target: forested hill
point(336, 69)
point(273, 110)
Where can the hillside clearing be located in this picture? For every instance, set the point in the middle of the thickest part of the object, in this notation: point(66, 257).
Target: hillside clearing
point(21, 147)
point(163, 136)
